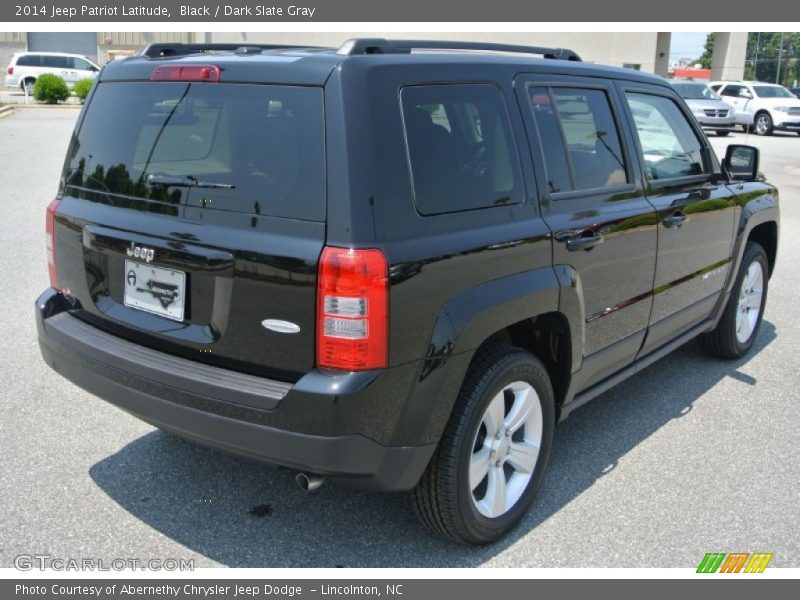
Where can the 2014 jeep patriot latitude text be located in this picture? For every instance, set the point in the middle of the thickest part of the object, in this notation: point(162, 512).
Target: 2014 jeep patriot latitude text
point(393, 270)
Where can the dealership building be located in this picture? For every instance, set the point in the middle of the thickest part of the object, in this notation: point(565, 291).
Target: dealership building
point(644, 51)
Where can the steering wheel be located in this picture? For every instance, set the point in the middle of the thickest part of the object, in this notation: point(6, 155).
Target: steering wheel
point(474, 163)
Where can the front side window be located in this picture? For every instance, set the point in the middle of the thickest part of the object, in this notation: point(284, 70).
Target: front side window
point(460, 148)
point(80, 64)
point(579, 138)
point(732, 91)
point(668, 142)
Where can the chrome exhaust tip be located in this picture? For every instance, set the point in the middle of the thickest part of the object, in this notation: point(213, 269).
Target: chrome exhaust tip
point(309, 483)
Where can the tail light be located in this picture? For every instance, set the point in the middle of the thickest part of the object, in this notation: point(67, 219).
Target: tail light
point(50, 240)
point(352, 309)
point(10, 70)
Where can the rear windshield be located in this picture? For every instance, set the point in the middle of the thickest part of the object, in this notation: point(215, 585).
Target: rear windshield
point(257, 149)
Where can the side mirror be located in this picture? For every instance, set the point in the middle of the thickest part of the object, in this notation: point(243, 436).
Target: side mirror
point(741, 162)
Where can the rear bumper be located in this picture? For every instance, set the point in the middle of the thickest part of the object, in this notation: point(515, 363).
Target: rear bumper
point(219, 408)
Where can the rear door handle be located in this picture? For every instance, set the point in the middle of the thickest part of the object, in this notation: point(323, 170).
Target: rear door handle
point(675, 220)
point(583, 242)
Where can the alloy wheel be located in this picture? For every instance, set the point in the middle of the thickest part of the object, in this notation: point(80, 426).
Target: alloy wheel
point(762, 125)
point(749, 305)
point(505, 449)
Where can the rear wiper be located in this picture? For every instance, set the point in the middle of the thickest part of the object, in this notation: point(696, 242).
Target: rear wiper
point(188, 181)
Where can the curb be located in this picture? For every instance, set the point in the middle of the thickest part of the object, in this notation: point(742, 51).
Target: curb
point(6, 111)
point(44, 106)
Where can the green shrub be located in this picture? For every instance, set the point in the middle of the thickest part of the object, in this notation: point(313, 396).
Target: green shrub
point(50, 89)
point(82, 88)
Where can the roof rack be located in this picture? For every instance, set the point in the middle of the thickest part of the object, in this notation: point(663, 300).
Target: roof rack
point(177, 49)
point(362, 46)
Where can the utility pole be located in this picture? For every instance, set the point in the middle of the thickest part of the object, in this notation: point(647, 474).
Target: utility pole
point(780, 54)
point(755, 65)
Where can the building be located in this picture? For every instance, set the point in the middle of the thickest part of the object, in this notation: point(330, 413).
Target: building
point(100, 47)
point(691, 73)
point(644, 51)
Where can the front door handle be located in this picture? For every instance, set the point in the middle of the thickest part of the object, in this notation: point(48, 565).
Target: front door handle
point(675, 220)
point(584, 242)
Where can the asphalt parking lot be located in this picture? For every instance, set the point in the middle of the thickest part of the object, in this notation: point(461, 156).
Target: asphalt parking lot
point(691, 456)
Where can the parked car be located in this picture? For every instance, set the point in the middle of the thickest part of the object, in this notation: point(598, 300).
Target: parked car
point(26, 67)
point(764, 107)
point(393, 270)
point(795, 91)
point(706, 106)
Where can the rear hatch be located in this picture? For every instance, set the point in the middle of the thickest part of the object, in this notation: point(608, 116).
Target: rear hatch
point(192, 217)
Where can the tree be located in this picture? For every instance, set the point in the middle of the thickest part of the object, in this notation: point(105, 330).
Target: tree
point(769, 51)
point(763, 53)
point(708, 52)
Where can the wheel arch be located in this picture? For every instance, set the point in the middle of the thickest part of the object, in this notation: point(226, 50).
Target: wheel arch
point(548, 337)
point(760, 222)
point(766, 234)
point(527, 316)
point(763, 111)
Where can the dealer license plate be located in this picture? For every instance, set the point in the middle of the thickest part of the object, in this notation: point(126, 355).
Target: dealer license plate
point(154, 289)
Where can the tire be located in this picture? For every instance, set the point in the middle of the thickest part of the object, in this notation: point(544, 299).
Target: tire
point(445, 499)
point(763, 124)
point(737, 329)
point(722, 133)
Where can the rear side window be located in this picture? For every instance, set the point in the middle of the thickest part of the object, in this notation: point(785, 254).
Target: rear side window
point(669, 145)
point(56, 62)
point(732, 91)
point(579, 138)
point(247, 148)
point(460, 148)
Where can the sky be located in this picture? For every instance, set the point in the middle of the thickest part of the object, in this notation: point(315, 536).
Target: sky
point(686, 45)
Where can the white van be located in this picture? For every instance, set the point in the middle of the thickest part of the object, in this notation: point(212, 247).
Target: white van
point(26, 67)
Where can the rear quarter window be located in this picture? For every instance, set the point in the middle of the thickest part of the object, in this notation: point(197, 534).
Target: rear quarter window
point(30, 60)
point(460, 148)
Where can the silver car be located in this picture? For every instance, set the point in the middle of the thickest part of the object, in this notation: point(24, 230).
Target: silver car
point(706, 106)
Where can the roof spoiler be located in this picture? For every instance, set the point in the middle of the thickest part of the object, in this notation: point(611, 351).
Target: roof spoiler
point(362, 46)
point(161, 50)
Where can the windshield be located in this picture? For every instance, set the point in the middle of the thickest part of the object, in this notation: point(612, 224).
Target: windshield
point(772, 91)
point(247, 148)
point(695, 91)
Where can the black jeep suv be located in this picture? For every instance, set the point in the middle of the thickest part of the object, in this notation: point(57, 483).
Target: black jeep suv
point(393, 269)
